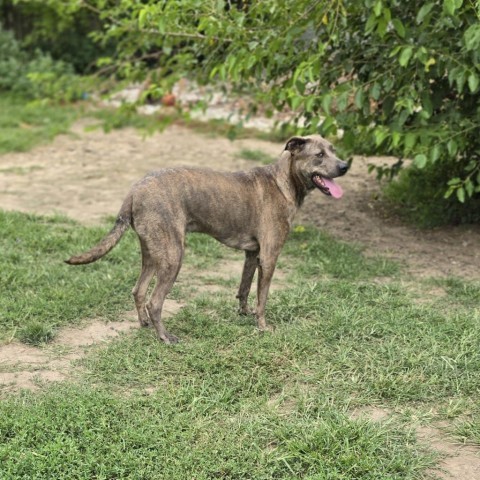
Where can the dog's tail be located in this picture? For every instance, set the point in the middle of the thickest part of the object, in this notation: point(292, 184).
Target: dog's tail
point(123, 222)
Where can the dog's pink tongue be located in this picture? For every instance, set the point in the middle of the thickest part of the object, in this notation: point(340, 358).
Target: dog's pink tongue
point(335, 189)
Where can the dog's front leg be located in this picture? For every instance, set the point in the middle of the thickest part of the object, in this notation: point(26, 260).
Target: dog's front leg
point(249, 267)
point(266, 267)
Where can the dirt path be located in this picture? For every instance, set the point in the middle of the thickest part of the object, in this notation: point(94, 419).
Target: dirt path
point(86, 176)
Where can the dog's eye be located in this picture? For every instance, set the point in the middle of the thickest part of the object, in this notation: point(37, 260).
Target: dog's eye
point(320, 155)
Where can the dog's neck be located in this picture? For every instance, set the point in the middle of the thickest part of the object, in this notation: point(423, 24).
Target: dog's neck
point(288, 180)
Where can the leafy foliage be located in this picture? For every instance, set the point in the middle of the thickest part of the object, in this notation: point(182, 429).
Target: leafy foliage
point(393, 77)
point(57, 27)
point(36, 75)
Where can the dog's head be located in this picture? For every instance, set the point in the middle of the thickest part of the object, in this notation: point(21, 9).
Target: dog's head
point(315, 164)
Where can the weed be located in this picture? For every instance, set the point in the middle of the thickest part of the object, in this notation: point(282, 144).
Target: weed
point(36, 332)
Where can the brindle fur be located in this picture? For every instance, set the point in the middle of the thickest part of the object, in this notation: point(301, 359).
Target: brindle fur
point(251, 211)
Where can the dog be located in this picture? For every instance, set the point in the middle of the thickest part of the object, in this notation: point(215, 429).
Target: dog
point(250, 211)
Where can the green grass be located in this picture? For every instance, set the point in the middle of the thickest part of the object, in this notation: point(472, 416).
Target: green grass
point(42, 293)
point(256, 156)
point(24, 125)
point(318, 253)
point(127, 116)
point(228, 402)
point(78, 432)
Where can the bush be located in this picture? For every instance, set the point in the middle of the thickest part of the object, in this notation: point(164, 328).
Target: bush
point(60, 28)
point(12, 61)
point(415, 196)
point(37, 76)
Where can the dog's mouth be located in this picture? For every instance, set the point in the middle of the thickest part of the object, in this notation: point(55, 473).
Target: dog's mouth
point(327, 186)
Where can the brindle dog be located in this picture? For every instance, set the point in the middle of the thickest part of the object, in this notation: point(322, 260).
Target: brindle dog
point(251, 211)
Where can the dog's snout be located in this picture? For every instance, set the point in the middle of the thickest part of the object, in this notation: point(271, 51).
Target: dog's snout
point(343, 167)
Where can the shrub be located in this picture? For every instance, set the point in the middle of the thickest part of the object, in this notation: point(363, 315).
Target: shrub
point(415, 196)
point(37, 76)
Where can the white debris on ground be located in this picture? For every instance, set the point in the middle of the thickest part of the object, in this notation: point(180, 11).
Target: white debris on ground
point(204, 103)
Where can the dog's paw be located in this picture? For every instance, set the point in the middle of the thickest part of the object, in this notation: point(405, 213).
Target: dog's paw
point(170, 339)
point(247, 311)
point(266, 329)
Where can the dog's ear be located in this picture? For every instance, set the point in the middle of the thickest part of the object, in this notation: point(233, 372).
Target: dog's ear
point(295, 144)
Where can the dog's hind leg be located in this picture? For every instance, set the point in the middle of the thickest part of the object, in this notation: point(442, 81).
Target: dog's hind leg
point(140, 290)
point(249, 267)
point(167, 265)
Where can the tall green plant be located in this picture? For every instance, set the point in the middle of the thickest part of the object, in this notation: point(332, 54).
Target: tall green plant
point(398, 77)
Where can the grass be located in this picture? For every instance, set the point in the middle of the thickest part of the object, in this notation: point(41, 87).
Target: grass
point(42, 292)
point(228, 402)
point(78, 432)
point(24, 125)
point(256, 156)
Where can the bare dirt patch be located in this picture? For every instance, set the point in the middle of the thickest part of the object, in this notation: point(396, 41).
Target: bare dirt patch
point(86, 176)
point(27, 367)
point(458, 461)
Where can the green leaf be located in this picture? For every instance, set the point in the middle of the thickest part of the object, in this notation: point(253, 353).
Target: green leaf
point(295, 101)
point(328, 126)
point(435, 152)
point(142, 16)
point(471, 37)
point(377, 8)
point(399, 28)
point(410, 140)
point(452, 147)
point(394, 51)
point(405, 56)
point(309, 103)
point(473, 82)
point(420, 160)
point(469, 187)
point(396, 136)
point(461, 194)
point(427, 104)
point(359, 98)
point(454, 181)
point(375, 91)
point(382, 27)
point(371, 23)
point(380, 134)
point(424, 11)
point(326, 103)
point(449, 192)
point(342, 101)
point(449, 6)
